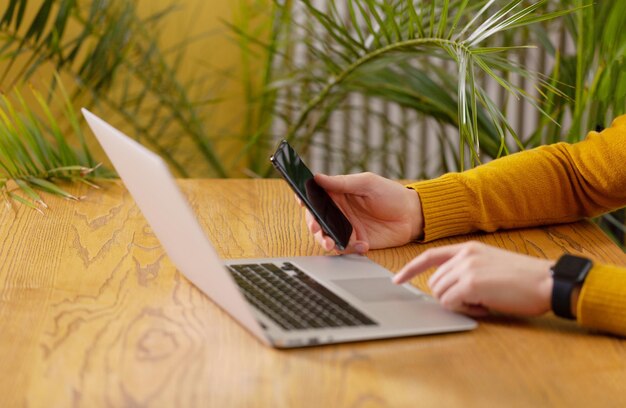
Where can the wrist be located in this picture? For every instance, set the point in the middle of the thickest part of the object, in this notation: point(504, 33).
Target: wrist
point(417, 215)
point(546, 285)
point(568, 274)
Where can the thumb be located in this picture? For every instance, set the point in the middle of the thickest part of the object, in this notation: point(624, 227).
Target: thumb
point(349, 184)
point(357, 247)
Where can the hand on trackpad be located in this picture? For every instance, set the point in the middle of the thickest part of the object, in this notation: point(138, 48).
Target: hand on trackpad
point(375, 290)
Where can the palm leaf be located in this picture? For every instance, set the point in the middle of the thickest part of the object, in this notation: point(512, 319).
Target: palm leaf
point(396, 32)
point(110, 44)
point(34, 152)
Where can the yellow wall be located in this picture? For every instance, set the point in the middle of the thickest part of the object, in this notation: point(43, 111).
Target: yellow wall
point(214, 49)
point(216, 54)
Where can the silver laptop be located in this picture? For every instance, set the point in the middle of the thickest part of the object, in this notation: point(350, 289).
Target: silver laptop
point(284, 302)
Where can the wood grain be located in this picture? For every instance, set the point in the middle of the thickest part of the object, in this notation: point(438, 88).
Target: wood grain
point(92, 313)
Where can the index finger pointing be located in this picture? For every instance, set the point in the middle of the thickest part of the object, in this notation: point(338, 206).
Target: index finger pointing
point(428, 259)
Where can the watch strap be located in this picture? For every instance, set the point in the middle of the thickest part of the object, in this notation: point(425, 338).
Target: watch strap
point(562, 298)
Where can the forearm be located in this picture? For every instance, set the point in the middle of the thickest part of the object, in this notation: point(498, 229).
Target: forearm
point(548, 185)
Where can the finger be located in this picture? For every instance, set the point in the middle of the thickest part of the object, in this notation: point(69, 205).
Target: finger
point(357, 247)
point(473, 310)
point(454, 298)
point(311, 223)
point(444, 283)
point(329, 244)
point(354, 247)
point(444, 269)
point(298, 200)
point(324, 241)
point(428, 259)
point(351, 184)
point(459, 299)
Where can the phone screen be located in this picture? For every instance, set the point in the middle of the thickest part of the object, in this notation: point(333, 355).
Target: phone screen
point(315, 198)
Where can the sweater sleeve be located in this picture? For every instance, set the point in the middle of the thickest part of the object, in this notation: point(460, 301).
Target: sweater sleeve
point(547, 185)
point(602, 300)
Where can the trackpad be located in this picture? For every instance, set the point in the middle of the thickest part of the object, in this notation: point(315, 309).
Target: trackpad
point(375, 290)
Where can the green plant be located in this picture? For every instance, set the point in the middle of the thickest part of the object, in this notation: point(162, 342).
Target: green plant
point(112, 60)
point(385, 50)
point(378, 50)
point(35, 153)
point(591, 74)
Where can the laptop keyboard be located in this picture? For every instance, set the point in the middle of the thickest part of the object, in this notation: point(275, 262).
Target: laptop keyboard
point(294, 300)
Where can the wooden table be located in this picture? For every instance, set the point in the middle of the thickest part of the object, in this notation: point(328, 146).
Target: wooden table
point(92, 313)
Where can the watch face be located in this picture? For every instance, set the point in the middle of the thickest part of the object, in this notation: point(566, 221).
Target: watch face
point(572, 268)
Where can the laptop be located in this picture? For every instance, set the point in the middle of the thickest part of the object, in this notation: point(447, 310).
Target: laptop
point(284, 302)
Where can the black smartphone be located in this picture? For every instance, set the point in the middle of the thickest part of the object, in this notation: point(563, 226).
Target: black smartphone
point(333, 222)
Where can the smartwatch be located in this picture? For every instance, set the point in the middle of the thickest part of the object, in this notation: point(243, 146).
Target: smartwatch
point(569, 272)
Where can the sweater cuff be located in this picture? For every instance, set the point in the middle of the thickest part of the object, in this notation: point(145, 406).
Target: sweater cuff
point(445, 205)
point(602, 301)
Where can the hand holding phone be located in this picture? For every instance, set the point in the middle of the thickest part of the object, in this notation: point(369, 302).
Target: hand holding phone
point(330, 218)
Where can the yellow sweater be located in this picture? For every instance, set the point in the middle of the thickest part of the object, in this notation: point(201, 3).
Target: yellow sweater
point(550, 184)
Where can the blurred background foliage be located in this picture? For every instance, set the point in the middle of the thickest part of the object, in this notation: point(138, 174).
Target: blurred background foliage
point(212, 86)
